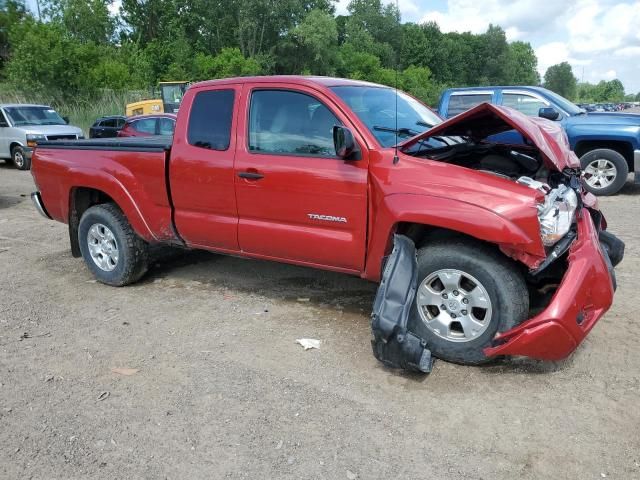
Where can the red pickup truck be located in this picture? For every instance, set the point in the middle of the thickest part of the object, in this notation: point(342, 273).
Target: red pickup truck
point(513, 257)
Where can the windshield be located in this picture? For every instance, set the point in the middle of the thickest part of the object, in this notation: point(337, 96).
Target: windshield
point(376, 107)
point(28, 115)
point(173, 93)
point(564, 104)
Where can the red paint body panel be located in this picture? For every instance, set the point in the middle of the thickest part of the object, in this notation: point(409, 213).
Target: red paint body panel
point(586, 290)
point(274, 211)
point(204, 198)
point(134, 180)
point(213, 208)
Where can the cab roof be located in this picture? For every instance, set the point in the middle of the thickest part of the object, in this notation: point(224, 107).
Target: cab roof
point(292, 79)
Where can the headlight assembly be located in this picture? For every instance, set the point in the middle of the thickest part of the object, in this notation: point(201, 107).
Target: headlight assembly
point(32, 140)
point(556, 214)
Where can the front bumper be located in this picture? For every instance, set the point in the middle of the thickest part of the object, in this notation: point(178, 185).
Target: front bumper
point(27, 151)
point(583, 297)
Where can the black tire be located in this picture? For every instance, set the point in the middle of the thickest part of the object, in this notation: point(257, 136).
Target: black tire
point(19, 158)
point(622, 170)
point(132, 262)
point(499, 276)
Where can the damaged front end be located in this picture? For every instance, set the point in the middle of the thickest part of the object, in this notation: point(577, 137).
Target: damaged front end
point(392, 343)
point(570, 277)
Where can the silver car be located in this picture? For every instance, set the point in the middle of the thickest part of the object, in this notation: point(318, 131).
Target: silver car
point(22, 126)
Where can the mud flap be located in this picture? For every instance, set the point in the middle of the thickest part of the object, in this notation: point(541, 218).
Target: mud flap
point(393, 344)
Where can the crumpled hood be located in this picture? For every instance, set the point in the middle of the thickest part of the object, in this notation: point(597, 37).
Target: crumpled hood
point(485, 120)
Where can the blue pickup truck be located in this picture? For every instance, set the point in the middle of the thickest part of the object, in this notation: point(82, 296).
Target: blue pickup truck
point(608, 144)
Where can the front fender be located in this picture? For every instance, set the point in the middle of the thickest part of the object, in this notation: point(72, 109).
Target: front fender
point(518, 235)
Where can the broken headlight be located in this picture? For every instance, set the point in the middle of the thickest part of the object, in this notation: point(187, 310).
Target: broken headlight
point(556, 214)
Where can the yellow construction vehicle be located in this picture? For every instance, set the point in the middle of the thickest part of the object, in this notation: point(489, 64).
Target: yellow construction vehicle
point(171, 94)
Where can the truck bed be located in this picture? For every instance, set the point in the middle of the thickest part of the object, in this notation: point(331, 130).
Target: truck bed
point(132, 172)
point(128, 144)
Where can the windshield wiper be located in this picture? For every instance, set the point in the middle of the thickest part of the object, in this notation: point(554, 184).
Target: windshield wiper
point(399, 131)
point(424, 124)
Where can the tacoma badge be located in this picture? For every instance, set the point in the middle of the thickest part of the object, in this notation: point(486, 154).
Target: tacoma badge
point(328, 218)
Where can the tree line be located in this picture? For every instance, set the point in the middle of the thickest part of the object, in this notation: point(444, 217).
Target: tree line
point(78, 47)
point(560, 79)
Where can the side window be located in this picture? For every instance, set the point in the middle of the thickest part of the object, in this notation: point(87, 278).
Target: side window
point(108, 123)
point(461, 103)
point(292, 123)
point(210, 119)
point(3, 118)
point(523, 103)
point(145, 125)
point(166, 126)
point(120, 122)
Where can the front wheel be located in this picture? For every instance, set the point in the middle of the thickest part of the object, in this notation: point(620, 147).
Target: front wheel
point(605, 171)
point(110, 248)
point(19, 158)
point(467, 293)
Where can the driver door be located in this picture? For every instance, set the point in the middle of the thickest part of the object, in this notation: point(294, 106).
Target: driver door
point(297, 201)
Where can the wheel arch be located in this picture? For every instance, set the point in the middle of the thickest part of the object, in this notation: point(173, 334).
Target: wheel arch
point(622, 147)
point(83, 197)
point(14, 144)
point(438, 217)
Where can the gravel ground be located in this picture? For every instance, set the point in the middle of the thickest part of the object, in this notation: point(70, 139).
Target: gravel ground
point(222, 390)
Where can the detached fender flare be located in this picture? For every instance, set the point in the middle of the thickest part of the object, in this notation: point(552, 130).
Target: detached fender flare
point(469, 219)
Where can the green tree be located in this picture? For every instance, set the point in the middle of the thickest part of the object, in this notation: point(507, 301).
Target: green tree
point(560, 79)
point(84, 20)
point(228, 63)
point(45, 60)
point(494, 52)
point(522, 65)
point(418, 82)
point(12, 14)
point(317, 34)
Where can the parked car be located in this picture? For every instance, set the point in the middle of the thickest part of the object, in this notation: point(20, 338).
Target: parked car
point(23, 125)
point(149, 125)
point(608, 145)
point(107, 127)
point(512, 254)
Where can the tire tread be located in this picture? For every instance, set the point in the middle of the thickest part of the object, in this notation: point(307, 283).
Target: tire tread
point(138, 258)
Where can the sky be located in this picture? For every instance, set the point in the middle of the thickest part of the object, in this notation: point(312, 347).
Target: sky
point(599, 38)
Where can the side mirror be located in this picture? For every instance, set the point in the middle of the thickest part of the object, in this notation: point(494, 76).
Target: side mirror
point(343, 142)
point(549, 113)
point(66, 120)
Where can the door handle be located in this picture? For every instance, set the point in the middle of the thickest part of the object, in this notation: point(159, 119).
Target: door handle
point(251, 175)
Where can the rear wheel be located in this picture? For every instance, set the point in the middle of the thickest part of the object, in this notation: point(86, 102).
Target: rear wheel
point(467, 293)
point(605, 171)
point(110, 248)
point(19, 158)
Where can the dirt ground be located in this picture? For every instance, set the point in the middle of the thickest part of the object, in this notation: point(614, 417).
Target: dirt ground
point(223, 391)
